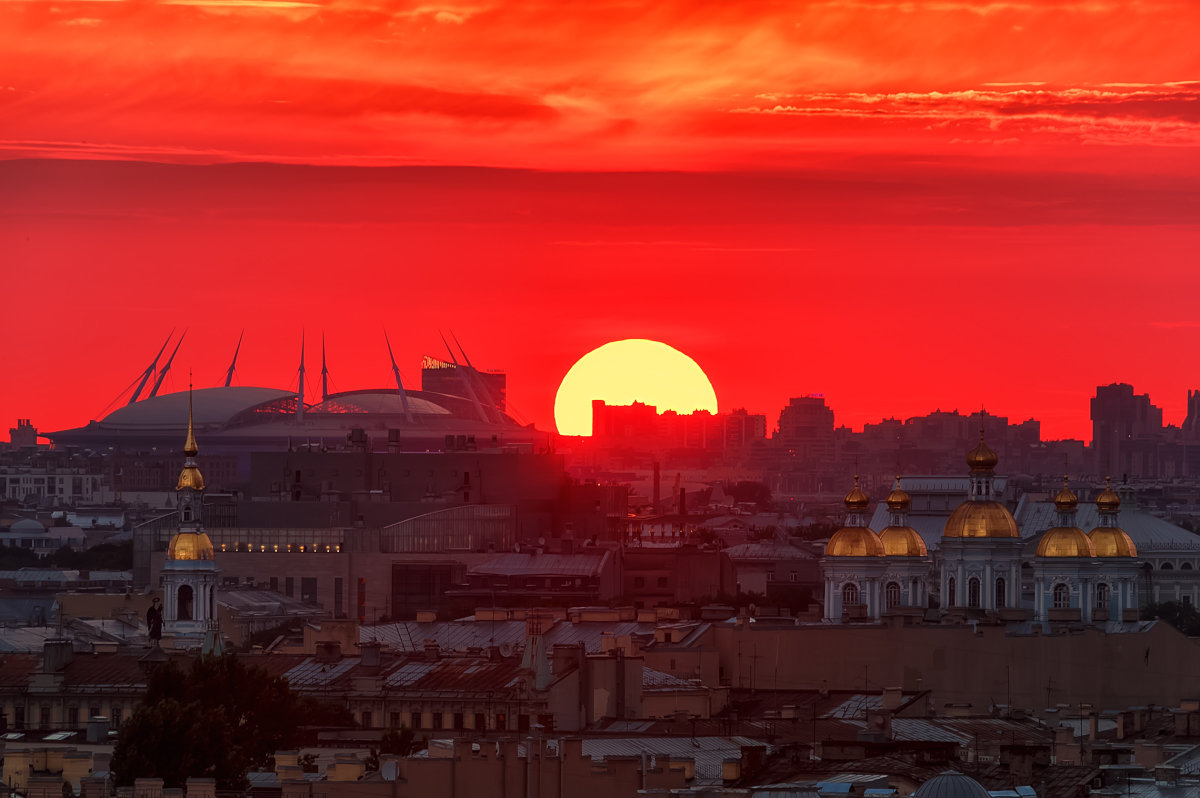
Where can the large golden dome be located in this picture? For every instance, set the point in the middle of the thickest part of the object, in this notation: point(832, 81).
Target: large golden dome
point(980, 519)
point(1065, 541)
point(981, 458)
point(902, 541)
point(1112, 541)
point(190, 546)
point(854, 541)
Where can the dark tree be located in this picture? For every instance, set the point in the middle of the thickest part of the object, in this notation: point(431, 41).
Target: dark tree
point(1181, 615)
point(218, 720)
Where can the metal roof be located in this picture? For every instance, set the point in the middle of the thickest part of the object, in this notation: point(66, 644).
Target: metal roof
point(1150, 534)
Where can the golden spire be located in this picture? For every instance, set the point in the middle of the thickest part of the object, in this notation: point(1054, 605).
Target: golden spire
point(189, 446)
point(1066, 500)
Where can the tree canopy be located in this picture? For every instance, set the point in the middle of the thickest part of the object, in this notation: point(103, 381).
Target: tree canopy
point(218, 719)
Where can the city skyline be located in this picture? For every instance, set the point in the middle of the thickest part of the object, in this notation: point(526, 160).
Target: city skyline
point(955, 205)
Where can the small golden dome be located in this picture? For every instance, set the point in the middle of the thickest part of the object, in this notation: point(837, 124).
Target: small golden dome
point(854, 541)
point(190, 546)
point(1066, 501)
point(974, 519)
point(898, 500)
point(1112, 541)
point(1065, 541)
point(190, 477)
point(902, 541)
point(1108, 500)
point(981, 458)
point(857, 500)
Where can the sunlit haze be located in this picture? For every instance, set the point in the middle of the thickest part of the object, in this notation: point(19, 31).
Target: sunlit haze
point(902, 206)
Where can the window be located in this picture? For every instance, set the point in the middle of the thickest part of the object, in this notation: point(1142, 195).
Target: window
point(73, 717)
point(339, 611)
point(183, 603)
point(458, 721)
point(793, 576)
point(19, 716)
point(394, 720)
point(770, 576)
point(662, 581)
point(1102, 596)
point(1001, 593)
point(367, 720)
point(44, 720)
point(951, 592)
point(1062, 596)
point(308, 589)
point(639, 581)
point(1187, 566)
point(849, 594)
point(414, 719)
point(289, 586)
point(973, 592)
point(480, 721)
point(1187, 599)
point(892, 593)
point(1166, 567)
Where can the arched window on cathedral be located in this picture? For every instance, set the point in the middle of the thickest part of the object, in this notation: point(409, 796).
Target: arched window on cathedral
point(951, 593)
point(187, 514)
point(183, 603)
point(1001, 593)
point(1102, 596)
point(849, 594)
point(893, 594)
point(973, 592)
point(1062, 596)
point(1166, 567)
point(1187, 566)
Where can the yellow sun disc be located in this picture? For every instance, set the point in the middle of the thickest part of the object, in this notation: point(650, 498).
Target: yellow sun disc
point(624, 372)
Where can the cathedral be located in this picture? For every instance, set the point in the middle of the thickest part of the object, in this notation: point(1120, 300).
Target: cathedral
point(190, 576)
point(981, 566)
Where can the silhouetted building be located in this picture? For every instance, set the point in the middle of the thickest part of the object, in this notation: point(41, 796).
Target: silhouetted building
point(1127, 430)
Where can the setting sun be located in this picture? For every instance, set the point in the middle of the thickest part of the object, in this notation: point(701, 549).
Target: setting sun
point(633, 370)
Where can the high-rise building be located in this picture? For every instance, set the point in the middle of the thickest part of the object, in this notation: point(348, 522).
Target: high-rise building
point(1126, 432)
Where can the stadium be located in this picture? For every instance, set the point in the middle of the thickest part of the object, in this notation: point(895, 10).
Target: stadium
point(458, 407)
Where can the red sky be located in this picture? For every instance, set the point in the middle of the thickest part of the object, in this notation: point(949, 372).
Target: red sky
point(901, 205)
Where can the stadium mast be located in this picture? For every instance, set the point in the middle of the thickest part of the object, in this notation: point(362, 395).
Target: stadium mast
point(467, 382)
point(324, 372)
point(399, 383)
point(478, 377)
point(300, 403)
point(150, 370)
point(233, 364)
point(166, 368)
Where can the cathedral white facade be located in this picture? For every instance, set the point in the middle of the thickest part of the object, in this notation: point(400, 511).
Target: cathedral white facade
point(980, 560)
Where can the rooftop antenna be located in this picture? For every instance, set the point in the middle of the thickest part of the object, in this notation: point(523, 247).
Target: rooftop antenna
point(467, 383)
point(300, 403)
point(233, 363)
point(324, 372)
point(150, 370)
point(399, 383)
point(166, 368)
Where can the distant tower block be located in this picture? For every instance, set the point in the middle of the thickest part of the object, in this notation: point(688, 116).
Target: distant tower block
point(190, 573)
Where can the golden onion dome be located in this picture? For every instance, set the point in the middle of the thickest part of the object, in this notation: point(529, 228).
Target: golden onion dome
point(190, 477)
point(1108, 500)
point(981, 458)
point(1066, 501)
point(902, 541)
point(854, 541)
point(190, 546)
point(857, 500)
point(898, 500)
point(1065, 541)
point(976, 519)
point(1112, 541)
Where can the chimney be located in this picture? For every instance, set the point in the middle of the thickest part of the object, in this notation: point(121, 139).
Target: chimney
point(893, 697)
point(370, 654)
point(328, 651)
point(431, 650)
point(57, 653)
